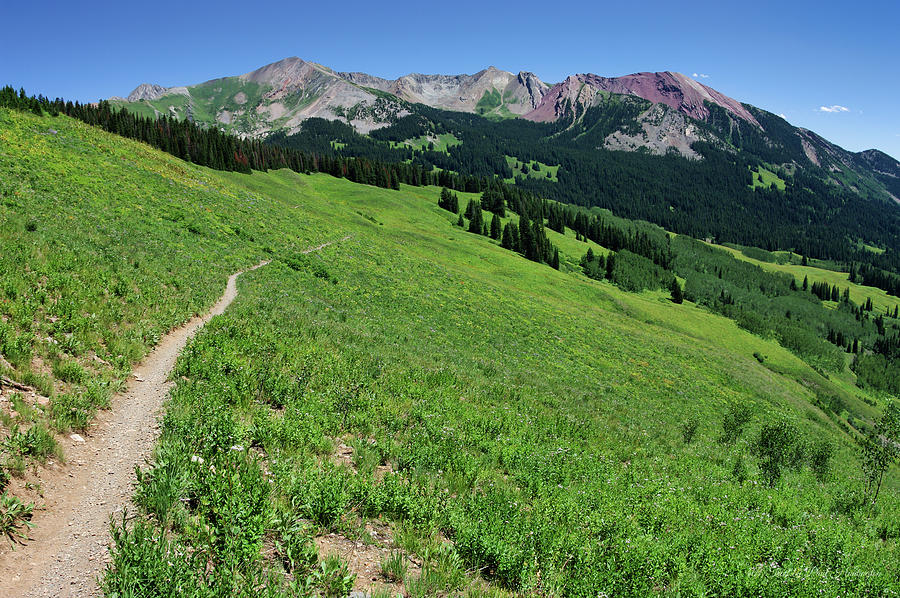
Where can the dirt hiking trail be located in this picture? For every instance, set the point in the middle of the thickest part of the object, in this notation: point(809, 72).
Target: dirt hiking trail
point(68, 548)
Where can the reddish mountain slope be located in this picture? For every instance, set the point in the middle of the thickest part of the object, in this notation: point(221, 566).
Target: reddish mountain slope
point(673, 89)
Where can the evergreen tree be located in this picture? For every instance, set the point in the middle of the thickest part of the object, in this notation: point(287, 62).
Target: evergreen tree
point(805, 282)
point(476, 221)
point(495, 227)
point(677, 293)
point(470, 209)
point(527, 243)
point(461, 222)
point(446, 200)
point(506, 241)
point(554, 261)
point(516, 239)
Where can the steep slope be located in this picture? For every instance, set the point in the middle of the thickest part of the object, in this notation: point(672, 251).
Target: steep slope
point(673, 89)
point(487, 92)
point(420, 389)
point(885, 168)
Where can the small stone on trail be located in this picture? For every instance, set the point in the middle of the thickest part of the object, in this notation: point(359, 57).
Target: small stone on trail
point(76, 437)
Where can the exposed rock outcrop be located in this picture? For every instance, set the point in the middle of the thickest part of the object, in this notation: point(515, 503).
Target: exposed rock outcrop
point(673, 89)
point(146, 91)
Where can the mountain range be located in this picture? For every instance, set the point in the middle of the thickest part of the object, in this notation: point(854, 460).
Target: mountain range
point(657, 113)
point(283, 94)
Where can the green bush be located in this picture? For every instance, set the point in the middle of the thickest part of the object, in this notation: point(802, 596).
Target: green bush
point(308, 263)
point(15, 518)
point(777, 448)
point(735, 421)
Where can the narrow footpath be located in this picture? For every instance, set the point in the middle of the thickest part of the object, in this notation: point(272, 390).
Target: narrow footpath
point(68, 548)
point(69, 545)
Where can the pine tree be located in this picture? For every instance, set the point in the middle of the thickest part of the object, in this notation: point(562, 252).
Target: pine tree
point(554, 262)
point(461, 222)
point(506, 241)
point(476, 223)
point(470, 209)
point(805, 282)
point(516, 239)
point(677, 293)
point(527, 244)
point(495, 227)
point(444, 200)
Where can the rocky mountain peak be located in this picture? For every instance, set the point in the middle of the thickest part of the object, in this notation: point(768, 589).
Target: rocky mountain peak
point(146, 91)
point(673, 89)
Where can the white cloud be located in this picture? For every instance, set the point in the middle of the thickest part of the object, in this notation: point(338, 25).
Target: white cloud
point(700, 75)
point(783, 116)
point(834, 108)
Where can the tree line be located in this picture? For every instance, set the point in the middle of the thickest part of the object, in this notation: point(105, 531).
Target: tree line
point(527, 237)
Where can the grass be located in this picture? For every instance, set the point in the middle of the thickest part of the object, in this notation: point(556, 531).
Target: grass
point(858, 293)
point(442, 142)
point(537, 170)
point(417, 373)
point(163, 105)
point(489, 101)
point(763, 177)
point(105, 278)
point(205, 101)
point(531, 422)
point(393, 566)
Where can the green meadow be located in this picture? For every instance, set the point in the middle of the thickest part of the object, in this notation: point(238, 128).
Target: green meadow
point(763, 177)
point(513, 429)
point(441, 142)
point(536, 170)
point(858, 293)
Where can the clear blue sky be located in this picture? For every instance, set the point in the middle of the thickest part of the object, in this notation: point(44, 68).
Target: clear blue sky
point(790, 57)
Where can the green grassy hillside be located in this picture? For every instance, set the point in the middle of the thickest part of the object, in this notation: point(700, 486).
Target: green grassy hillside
point(858, 293)
point(515, 428)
